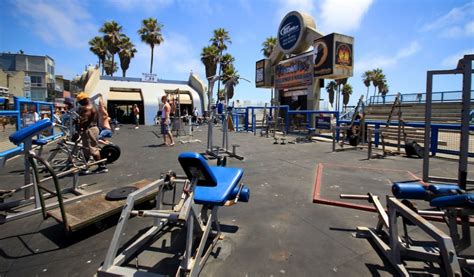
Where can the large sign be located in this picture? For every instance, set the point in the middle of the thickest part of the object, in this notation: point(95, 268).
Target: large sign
point(260, 73)
point(289, 32)
point(295, 72)
point(333, 56)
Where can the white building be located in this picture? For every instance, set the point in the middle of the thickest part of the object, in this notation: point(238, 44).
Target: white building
point(121, 94)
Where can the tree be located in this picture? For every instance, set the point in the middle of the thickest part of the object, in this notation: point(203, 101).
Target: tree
point(331, 88)
point(112, 36)
point(367, 79)
point(339, 83)
point(99, 48)
point(377, 78)
point(110, 67)
point(126, 53)
point(268, 46)
point(220, 38)
point(210, 57)
point(230, 75)
point(150, 33)
point(226, 60)
point(384, 89)
point(346, 94)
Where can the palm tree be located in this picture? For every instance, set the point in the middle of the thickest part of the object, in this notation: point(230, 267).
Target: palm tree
point(220, 38)
point(383, 89)
point(346, 94)
point(339, 83)
point(331, 88)
point(226, 60)
point(268, 46)
point(210, 57)
point(112, 36)
point(377, 78)
point(99, 48)
point(126, 53)
point(150, 33)
point(230, 73)
point(110, 67)
point(367, 79)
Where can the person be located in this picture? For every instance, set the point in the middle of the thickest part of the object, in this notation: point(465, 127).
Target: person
point(104, 122)
point(165, 122)
point(195, 115)
point(136, 115)
point(88, 130)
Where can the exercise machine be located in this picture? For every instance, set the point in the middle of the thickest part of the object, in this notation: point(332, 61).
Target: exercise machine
point(352, 132)
point(205, 189)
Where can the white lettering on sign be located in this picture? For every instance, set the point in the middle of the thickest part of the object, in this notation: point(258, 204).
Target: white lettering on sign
point(288, 29)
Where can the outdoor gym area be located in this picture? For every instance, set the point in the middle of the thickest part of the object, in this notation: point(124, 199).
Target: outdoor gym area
point(246, 191)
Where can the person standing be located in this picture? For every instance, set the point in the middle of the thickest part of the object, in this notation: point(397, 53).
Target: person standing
point(104, 121)
point(136, 115)
point(165, 122)
point(88, 130)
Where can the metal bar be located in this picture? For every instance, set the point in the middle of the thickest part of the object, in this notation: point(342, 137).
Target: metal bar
point(464, 140)
point(426, 155)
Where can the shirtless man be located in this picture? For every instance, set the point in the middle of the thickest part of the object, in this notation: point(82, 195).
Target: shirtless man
point(87, 128)
point(165, 122)
point(104, 121)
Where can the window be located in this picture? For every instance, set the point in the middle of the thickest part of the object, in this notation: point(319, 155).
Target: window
point(37, 96)
point(50, 69)
point(36, 81)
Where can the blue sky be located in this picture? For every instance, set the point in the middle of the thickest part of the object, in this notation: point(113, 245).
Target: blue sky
point(403, 37)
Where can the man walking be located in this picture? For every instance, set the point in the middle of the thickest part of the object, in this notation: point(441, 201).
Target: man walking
point(165, 122)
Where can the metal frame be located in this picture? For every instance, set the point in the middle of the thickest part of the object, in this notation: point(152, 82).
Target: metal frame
point(185, 211)
point(442, 251)
point(465, 68)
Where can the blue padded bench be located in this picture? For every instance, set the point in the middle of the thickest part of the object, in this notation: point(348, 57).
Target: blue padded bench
point(215, 184)
point(458, 200)
point(20, 135)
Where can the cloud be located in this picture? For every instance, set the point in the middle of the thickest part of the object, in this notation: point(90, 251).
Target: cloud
point(456, 23)
point(334, 18)
point(452, 61)
point(388, 61)
point(146, 5)
point(58, 23)
point(175, 56)
point(287, 6)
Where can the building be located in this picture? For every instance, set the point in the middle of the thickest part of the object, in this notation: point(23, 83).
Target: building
point(38, 71)
point(121, 93)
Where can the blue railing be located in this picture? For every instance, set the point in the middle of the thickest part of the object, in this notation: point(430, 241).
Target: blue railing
point(437, 97)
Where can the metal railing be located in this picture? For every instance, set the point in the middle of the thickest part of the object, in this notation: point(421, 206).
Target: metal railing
point(438, 97)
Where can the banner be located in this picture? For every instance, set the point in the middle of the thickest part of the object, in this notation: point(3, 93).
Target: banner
point(295, 72)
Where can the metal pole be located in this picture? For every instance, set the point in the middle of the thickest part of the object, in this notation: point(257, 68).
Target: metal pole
point(464, 141)
point(426, 155)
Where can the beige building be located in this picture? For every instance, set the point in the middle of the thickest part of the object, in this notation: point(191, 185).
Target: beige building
point(13, 81)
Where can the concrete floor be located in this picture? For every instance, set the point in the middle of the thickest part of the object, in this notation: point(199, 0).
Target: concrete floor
point(280, 232)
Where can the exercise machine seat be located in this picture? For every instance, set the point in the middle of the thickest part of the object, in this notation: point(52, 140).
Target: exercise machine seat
point(21, 135)
point(458, 200)
point(411, 190)
point(215, 183)
point(441, 189)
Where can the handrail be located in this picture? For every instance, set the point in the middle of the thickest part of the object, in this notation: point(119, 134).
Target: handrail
point(440, 97)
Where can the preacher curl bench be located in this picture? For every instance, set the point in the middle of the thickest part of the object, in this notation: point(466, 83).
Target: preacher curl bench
point(210, 187)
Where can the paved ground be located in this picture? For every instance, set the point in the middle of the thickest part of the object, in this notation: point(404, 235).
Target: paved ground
point(280, 232)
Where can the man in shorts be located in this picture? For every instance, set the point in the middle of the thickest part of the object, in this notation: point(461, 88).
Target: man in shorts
point(88, 130)
point(165, 122)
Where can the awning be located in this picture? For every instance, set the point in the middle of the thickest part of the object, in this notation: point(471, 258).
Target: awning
point(124, 96)
point(185, 99)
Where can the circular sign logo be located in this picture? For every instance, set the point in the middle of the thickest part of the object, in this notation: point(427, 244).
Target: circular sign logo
point(289, 32)
point(320, 53)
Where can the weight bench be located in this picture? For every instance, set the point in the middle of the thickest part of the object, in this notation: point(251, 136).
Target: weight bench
point(448, 251)
point(210, 187)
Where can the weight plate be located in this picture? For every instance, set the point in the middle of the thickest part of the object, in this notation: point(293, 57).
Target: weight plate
point(119, 193)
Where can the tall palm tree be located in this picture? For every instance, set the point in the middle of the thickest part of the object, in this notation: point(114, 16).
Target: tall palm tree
point(220, 39)
point(268, 46)
point(99, 48)
point(226, 60)
point(377, 78)
point(112, 36)
point(339, 83)
point(126, 53)
point(367, 79)
point(110, 67)
point(346, 94)
point(150, 33)
point(331, 88)
point(210, 57)
point(230, 73)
